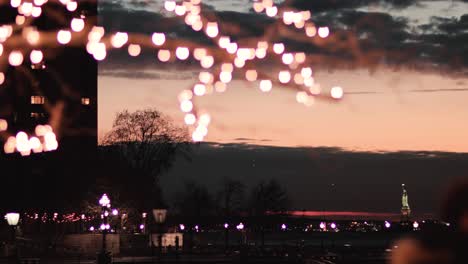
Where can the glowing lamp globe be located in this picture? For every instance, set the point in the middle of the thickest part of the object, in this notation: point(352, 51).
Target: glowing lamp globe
point(182, 227)
point(12, 218)
point(283, 227)
point(333, 225)
point(322, 225)
point(159, 215)
point(226, 225)
point(240, 226)
point(387, 224)
point(104, 201)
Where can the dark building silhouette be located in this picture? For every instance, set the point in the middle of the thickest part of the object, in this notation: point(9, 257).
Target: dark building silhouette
point(61, 90)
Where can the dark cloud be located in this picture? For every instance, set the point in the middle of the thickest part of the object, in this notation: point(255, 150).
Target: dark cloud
point(327, 5)
point(439, 90)
point(359, 39)
point(130, 74)
point(241, 139)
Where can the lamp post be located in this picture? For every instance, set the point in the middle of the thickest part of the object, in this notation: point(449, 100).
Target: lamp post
point(283, 229)
point(13, 219)
point(104, 256)
point(159, 217)
point(226, 237)
point(240, 227)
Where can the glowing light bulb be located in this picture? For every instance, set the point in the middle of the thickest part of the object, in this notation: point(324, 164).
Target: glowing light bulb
point(337, 92)
point(258, 7)
point(251, 75)
point(199, 89)
point(284, 76)
point(223, 42)
point(77, 24)
point(272, 11)
point(185, 95)
point(220, 87)
point(288, 58)
point(306, 72)
point(33, 37)
point(212, 29)
point(3, 122)
point(158, 39)
point(72, 6)
point(239, 63)
point(134, 50)
point(99, 52)
point(36, 11)
point(323, 32)
point(227, 67)
point(186, 106)
point(266, 85)
point(15, 3)
point(36, 56)
point(182, 53)
point(199, 53)
point(15, 58)
point(119, 39)
point(225, 77)
point(300, 57)
point(164, 55)
point(232, 48)
point(205, 77)
point(311, 30)
point(2, 80)
point(190, 119)
point(207, 62)
point(19, 20)
point(170, 5)
point(64, 37)
point(278, 48)
point(204, 119)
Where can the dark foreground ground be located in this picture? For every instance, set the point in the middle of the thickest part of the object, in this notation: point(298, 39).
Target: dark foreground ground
point(329, 248)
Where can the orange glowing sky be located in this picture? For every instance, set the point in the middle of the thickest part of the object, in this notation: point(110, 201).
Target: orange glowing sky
point(388, 115)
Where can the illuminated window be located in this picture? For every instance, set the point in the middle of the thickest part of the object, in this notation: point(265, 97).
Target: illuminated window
point(37, 115)
point(37, 99)
point(85, 101)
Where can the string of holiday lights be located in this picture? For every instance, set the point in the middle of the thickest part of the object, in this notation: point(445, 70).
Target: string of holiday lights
point(228, 59)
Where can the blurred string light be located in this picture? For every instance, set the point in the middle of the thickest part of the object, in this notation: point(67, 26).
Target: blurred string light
point(219, 66)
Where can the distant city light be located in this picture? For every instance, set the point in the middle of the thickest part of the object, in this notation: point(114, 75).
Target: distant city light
point(283, 227)
point(226, 225)
point(333, 225)
point(182, 227)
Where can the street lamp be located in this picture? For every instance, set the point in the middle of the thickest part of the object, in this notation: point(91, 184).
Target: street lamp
point(226, 236)
point(159, 217)
point(387, 224)
point(13, 219)
point(283, 228)
point(104, 256)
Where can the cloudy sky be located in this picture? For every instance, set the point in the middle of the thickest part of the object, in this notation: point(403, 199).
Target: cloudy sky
point(384, 108)
point(406, 88)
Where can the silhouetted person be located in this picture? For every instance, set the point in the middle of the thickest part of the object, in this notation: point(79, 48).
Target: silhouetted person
point(438, 243)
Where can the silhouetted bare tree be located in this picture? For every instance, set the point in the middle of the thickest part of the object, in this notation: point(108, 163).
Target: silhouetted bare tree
point(267, 198)
point(194, 203)
point(230, 198)
point(149, 142)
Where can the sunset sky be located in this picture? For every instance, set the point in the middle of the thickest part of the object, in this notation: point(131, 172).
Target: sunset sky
point(383, 110)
